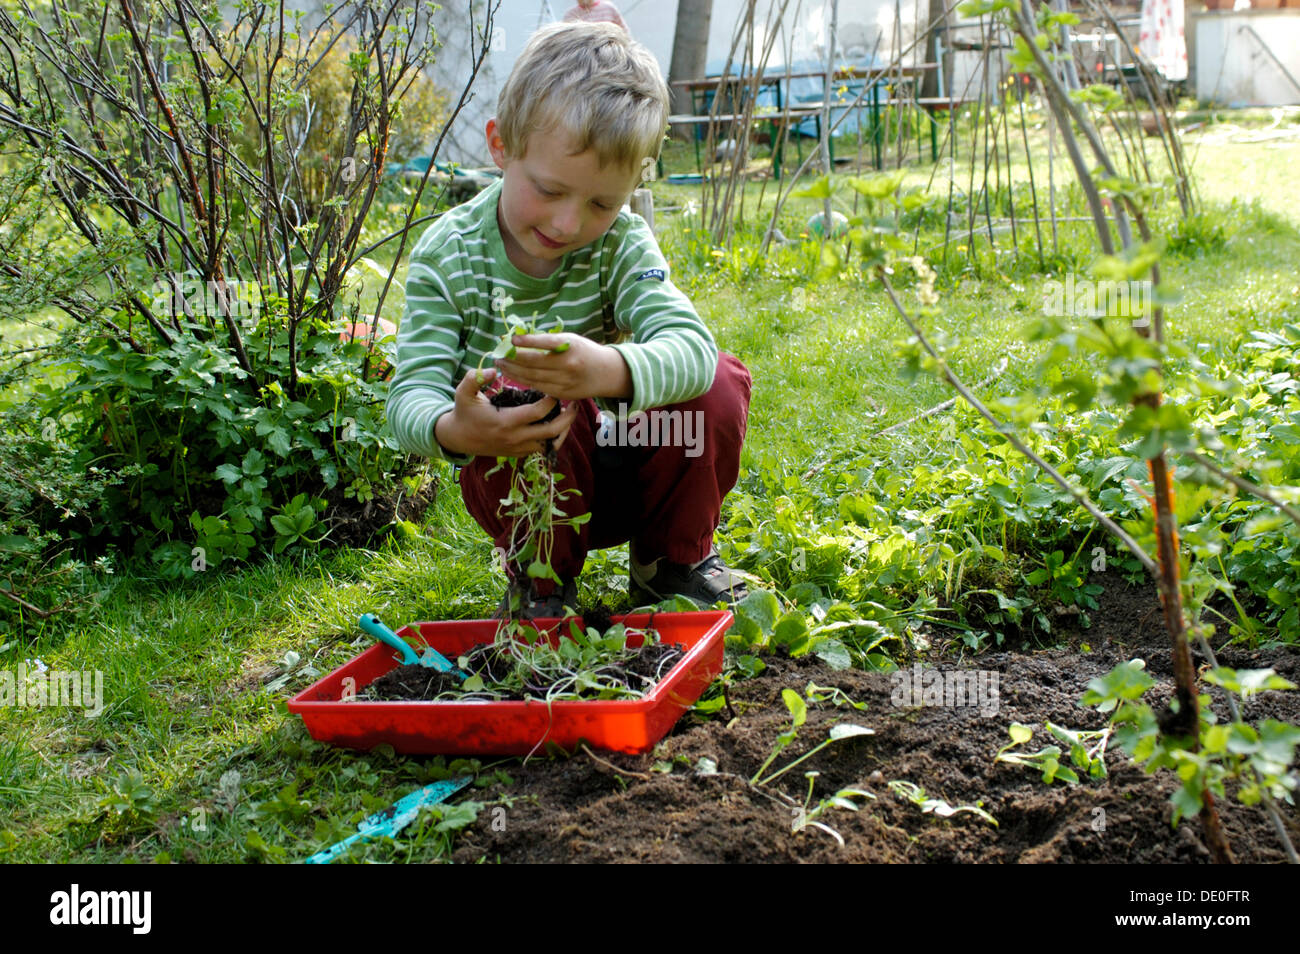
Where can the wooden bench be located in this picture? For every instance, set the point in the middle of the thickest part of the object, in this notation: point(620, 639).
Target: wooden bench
point(775, 120)
point(930, 105)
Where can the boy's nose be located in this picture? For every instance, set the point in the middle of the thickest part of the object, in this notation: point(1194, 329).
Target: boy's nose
point(567, 223)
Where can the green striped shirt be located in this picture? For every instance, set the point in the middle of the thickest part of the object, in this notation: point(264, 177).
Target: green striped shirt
point(450, 323)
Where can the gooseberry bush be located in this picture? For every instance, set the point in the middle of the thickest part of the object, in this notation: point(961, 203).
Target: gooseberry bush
point(205, 361)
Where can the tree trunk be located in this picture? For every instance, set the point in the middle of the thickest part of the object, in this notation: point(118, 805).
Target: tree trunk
point(936, 37)
point(690, 53)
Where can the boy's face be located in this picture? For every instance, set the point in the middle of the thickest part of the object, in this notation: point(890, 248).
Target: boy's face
point(553, 202)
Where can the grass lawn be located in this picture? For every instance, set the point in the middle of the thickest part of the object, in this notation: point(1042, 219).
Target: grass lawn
point(194, 756)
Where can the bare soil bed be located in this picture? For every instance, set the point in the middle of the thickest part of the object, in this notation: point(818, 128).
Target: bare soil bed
point(603, 807)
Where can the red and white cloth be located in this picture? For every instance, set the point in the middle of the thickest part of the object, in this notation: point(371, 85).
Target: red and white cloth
point(1161, 40)
point(599, 11)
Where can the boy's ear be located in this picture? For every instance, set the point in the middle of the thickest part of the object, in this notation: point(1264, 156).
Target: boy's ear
point(496, 145)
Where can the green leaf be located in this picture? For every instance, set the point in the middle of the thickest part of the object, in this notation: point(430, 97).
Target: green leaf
point(821, 189)
point(1126, 682)
point(1278, 741)
point(1021, 58)
point(1185, 803)
point(284, 526)
point(835, 654)
point(878, 186)
point(504, 351)
point(761, 607)
point(745, 629)
point(789, 628)
point(254, 463)
point(1020, 734)
point(1247, 682)
point(798, 708)
point(847, 730)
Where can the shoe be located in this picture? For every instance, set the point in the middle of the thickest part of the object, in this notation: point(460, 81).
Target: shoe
point(538, 607)
point(704, 583)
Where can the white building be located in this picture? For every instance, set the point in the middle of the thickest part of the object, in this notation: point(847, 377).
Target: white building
point(866, 28)
point(870, 32)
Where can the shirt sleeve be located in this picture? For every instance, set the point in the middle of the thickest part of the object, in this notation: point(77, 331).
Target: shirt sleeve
point(428, 354)
point(672, 356)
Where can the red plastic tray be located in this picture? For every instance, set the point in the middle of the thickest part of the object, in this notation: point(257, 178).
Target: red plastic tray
point(511, 728)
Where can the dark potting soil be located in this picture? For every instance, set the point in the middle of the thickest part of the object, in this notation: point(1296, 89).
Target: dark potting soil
point(515, 397)
point(622, 808)
point(416, 683)
point(409, 683)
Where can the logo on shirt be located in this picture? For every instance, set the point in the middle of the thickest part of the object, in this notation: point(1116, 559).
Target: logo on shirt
point(657, 273)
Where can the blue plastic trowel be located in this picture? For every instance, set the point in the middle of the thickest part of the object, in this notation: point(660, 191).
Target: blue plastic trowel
point(430, 658)
point(387, 823)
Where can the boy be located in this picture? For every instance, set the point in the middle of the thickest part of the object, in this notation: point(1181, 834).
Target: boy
point(583, 113)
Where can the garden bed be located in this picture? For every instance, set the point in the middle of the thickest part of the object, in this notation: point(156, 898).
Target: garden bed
point(633, 808)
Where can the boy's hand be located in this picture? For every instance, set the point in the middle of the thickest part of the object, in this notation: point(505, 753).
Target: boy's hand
point(477, 428)
point(584, 369)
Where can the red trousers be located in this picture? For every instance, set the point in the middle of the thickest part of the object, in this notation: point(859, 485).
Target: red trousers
point(658, 483)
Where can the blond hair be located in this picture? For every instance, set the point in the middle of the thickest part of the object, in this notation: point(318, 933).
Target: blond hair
point(595, 83)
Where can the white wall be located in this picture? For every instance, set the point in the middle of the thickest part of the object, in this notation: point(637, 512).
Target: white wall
point(1233, 68)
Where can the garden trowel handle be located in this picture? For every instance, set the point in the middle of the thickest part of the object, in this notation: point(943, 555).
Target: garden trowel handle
point(369, 622)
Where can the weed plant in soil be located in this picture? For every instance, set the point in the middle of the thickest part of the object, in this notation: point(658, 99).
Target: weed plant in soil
point(531, 505)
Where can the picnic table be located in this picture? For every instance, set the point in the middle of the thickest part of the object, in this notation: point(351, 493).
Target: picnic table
point(894, 87)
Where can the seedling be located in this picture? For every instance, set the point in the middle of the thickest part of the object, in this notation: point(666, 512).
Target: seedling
point(807, 817)
point(506, 349)
point(910, 791)
point(587, 665)
point(798, 715)
point(1087, 752)
point(530, 506)
point(837, 697)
